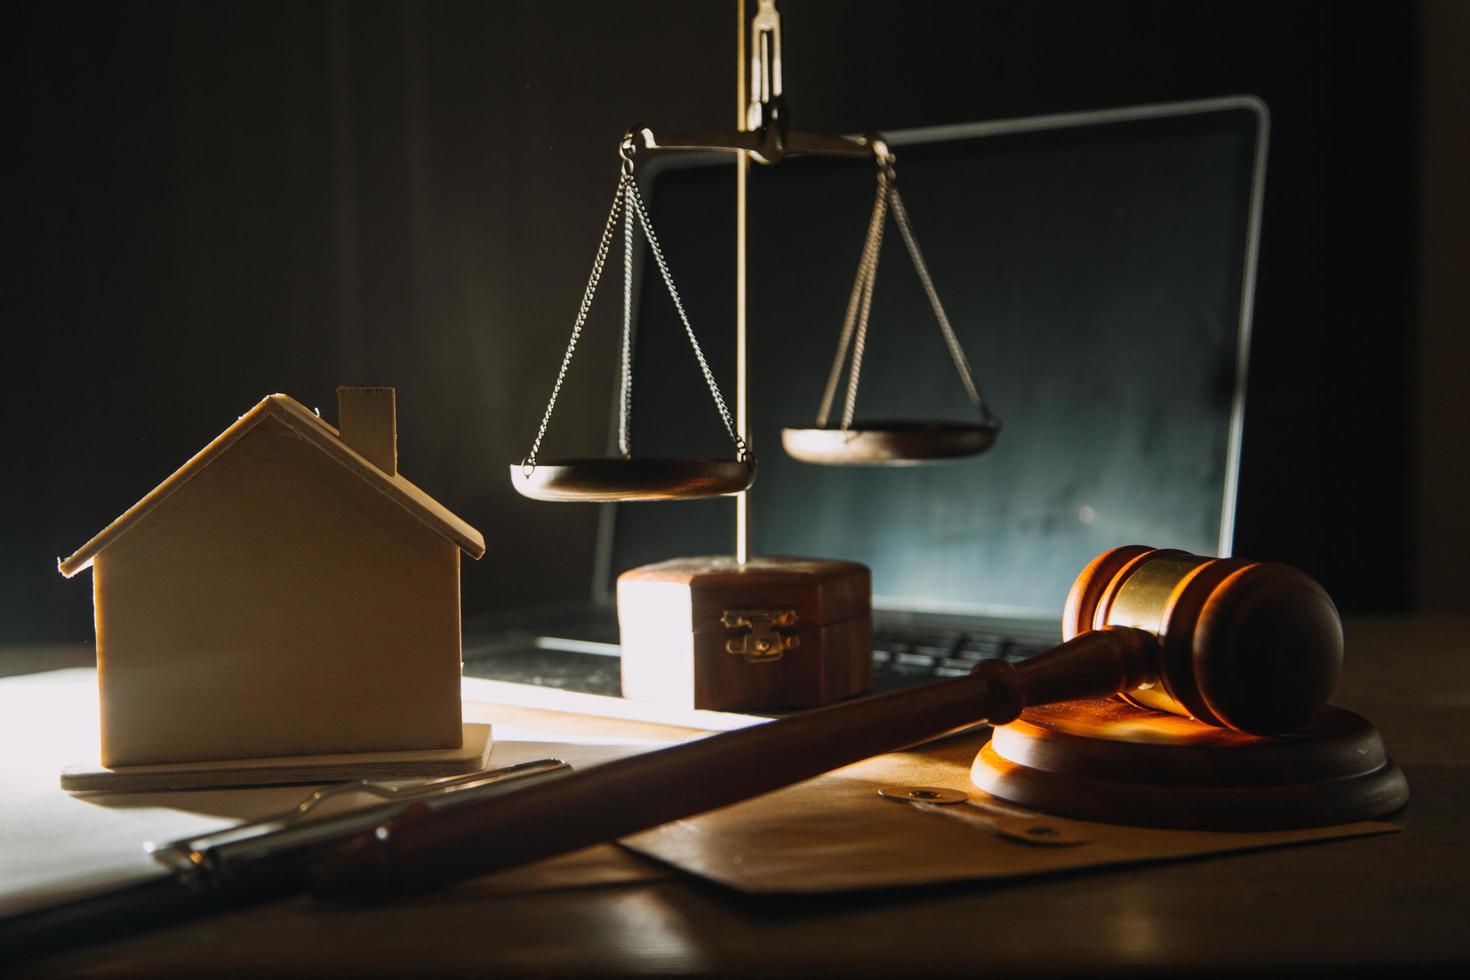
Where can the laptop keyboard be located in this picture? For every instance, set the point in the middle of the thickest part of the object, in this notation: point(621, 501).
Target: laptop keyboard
point(905, 657)
point(902, 657)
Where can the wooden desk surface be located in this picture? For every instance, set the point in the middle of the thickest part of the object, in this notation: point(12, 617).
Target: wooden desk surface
point(1358, 905)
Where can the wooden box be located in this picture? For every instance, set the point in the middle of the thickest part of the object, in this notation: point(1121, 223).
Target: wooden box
point(775, 633)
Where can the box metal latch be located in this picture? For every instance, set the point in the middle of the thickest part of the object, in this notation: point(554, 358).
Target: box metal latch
point(757, 633)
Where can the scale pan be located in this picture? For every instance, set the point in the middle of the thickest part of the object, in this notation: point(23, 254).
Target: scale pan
point(890, 443)
point(614, 478)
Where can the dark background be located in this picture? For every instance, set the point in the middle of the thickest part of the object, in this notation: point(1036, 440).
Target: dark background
point(207, 202)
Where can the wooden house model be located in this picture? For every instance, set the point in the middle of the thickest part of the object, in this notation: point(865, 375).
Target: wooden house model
point(287, 592)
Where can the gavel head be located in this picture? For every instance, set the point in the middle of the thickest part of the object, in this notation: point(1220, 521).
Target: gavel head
point(1254, 646)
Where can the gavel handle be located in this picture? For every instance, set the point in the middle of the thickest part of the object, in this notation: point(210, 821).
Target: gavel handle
point(422, 849)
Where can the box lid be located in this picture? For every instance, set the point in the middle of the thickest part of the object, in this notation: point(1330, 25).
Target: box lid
point(819, 590)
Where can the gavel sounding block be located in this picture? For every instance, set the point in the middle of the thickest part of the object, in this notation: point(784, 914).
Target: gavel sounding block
point(1107, 761)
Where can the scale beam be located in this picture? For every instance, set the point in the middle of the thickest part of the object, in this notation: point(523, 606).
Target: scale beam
point(770, 144)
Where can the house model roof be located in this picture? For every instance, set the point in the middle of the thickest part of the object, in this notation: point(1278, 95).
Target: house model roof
point(315, 432)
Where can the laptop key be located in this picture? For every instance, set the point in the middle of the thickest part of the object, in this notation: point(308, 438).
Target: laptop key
point(962, 664)
point(1024, 651)
point(984, 646)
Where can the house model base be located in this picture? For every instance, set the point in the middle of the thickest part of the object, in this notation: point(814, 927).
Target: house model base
point(472, 755)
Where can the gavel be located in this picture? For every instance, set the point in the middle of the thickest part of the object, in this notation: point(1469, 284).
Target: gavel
point(1252, 646)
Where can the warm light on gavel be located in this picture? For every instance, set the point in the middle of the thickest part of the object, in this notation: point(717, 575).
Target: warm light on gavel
point(1253, 646)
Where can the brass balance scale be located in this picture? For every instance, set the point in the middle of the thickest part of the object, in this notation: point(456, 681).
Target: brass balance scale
point(759, 609)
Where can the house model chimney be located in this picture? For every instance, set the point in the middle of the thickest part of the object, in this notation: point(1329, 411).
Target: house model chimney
point(367, 419)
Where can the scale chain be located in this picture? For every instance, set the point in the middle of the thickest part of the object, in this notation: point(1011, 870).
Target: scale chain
point(860, 340)
point(854, 302)
point(625, 179)
point(625, 396)
point(635, 198)
point(628, 202)
point(855, 322)
point(961, 362)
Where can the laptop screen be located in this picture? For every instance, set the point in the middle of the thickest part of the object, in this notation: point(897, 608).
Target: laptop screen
point(1097, 270)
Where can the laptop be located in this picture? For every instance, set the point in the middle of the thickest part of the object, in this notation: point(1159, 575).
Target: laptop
point(1098, 269)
